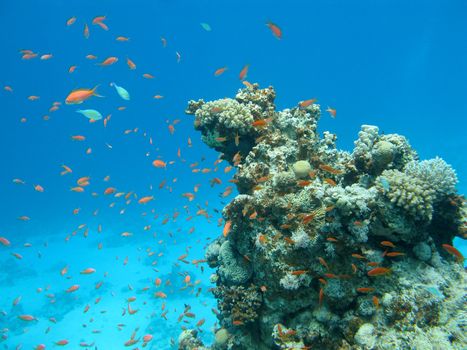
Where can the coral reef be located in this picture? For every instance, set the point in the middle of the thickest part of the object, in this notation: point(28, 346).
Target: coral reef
point(329, 249)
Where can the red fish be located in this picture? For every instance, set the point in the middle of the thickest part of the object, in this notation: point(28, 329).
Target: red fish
point(276, 31)
point(244, 72)
point(220, 71)
point(454, 252)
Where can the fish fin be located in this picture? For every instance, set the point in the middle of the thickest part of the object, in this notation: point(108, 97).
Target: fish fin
point(94, 91)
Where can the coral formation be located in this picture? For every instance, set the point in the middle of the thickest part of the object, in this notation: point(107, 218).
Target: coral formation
point(329, 249)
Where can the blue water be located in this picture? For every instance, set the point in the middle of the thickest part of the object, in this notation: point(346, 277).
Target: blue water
point(396, 64)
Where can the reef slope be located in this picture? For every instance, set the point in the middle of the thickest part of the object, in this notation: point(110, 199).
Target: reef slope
point(326, 249)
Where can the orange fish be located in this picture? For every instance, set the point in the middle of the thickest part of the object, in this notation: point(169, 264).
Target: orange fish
point(387, 244)
point(375, 301)
point(244, 72)
point(298, 272)
point(321, 296)
point(220, 71)
point(330, 181)
point(159, 164)
point(98, 19)
point(122, 38)
point(73, 288)
point(109, 61)
point(307, 103)
point(160, 295)
point(146, 199)
point(70, 21)
point(39, 188)
point(88, 271)
point(261, 123)
point(454, 252)
point(275, 30)
point(329, 169)
point(379, 271)
point(5, 242)
point(148, 76)
point(331, 111)
point(80, 95)
point(62, 342)
point(365, 290)
point(130, 64)
point(227, 228)
point(26, 317)
point(71, 69)
point(394, 254)
point(110, 190)
point(358, 256)
point(86, 31)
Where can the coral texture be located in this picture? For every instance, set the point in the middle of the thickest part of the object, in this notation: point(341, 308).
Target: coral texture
point(329, 249)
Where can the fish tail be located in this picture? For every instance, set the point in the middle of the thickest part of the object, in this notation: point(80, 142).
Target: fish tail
point(94, 91)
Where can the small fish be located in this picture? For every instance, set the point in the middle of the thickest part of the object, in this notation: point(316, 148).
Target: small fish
point(86, 31)
point(261, 123)
point(298, 272)
point(394, 254)
point(365, 290)
point(121, 91)
point(330, 181)
point(206, 26)
point(27, 317)
point(88, 271)
point(5, 242)
point(73, 288)
point(276, 31)
point(227, 228)
point(220, 71)
point(331, 111)
point(71, 21)
point(109, 61)
point(454, 252)
point(91, 114)
point(330, 169)
point(146, 199)
point(387, 244)
point(98, 19)
point(244, 72)
point(307, 103)
point(80, 95)
point(130, 64)
point(379, 271)
point(384, 183)
point(321, 296)
point(159, 164)
point(62, 342)
point(375, 301)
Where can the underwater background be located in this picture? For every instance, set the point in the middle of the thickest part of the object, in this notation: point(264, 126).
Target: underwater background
point(400, 65)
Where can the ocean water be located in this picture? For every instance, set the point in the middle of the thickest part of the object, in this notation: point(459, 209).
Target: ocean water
point(396, 64)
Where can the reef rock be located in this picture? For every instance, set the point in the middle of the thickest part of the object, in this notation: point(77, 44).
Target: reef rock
point(329, 249)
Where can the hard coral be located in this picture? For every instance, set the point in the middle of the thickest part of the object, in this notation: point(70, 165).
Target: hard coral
point(330, 249)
